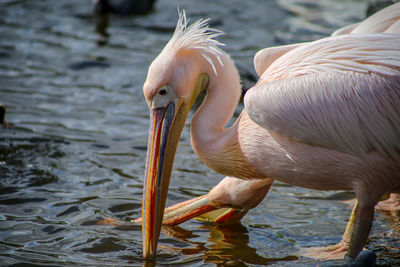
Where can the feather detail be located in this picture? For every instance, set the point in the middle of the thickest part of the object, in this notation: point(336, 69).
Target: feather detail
point(378, 53)
point(198, 36)
point(386, 18)
point(333, 93)
point(351, 112)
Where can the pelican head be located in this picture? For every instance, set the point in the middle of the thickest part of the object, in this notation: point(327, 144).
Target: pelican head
point(174, 80)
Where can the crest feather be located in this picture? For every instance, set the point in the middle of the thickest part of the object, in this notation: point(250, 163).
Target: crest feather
point(198, 36)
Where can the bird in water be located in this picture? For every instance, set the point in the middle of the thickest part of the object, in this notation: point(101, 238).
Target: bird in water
point(232, 197)
point(323, 115)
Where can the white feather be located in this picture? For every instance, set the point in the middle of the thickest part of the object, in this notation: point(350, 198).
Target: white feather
point(198, 36)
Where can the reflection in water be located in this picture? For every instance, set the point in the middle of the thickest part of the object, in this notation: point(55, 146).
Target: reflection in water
point(123, 7)
point(227, 244)
point(185, 246)
point(230, 246)
point(102, 8)
point(101, 25)
point(3, 121)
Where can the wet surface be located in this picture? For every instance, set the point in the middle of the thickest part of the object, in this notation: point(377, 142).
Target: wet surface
point(75, 148)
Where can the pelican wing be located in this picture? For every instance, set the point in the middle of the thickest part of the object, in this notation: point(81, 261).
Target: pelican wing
point(264, 58)
point(341, 92)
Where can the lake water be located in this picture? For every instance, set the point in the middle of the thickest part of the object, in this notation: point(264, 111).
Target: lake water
point(76, 146)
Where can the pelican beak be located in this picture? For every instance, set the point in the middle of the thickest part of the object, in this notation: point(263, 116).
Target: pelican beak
point(165, 130)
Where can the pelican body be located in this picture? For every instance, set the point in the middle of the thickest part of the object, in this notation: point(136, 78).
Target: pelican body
point(324, 115)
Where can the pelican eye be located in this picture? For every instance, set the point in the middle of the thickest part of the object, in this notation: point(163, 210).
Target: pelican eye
point(163, 97)
point(163, 91)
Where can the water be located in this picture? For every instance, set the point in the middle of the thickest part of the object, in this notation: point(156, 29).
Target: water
point(75, 150)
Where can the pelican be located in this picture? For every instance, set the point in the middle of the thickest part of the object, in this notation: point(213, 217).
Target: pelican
point(324, 115)
point(232, 196)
